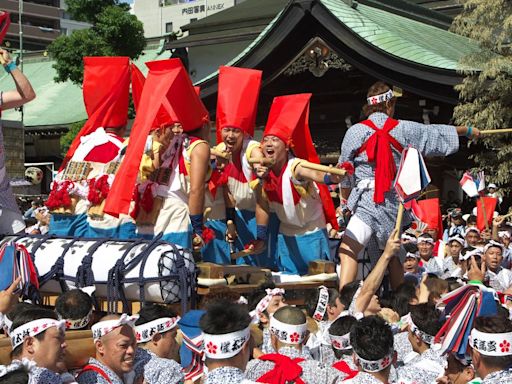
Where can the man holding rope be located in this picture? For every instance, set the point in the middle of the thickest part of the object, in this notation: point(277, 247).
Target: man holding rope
point(374, 147)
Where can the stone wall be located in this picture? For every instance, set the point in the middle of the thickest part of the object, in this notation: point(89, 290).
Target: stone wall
point(14, 145)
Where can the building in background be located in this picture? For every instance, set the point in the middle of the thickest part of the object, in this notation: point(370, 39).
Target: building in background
point(161, 17)
point(42, 20)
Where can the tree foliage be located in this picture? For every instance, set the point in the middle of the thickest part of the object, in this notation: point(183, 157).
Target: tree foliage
point(67, 139)
point(486, 91)
point(114, 32)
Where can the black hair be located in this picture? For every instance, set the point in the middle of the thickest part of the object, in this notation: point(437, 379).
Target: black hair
point(425, 235)
point(74, 304)
point(495, 324)
point(290, 315)
point(26, 317)
point(150, 312)
point(426, 318)
point(410, 247)
point(312, 301)
point(348, 291)
point(371, 338)
point(399, 300)
point(224, 317)
point(19, 376)
point(340, 327)
point(19, 308)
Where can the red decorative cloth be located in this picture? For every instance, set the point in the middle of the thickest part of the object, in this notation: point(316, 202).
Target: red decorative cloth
point(430, 214)
point(285, 370)
point(104, 153)
point(5, 21)
point(237, 100)
point(289, 120)
point(344, 367)
point(378, 150)
point(489, 204)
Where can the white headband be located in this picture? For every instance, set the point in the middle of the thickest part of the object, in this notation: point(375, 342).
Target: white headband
point(428, 339)
point(471, 229)
point(425, 240)
point(263, 303)
point(340, 343)
point(5, 323)
point(145, 332)
point(491, 244)
point(468, 255)
point(504, 234)
point(26, 364)
point(103, 328)
point(491, 344)
point(458, 239)
point(321, 306)
point(411, 238)
point(377, 99)
point(33, 328)
point(77, 323)
point(375, 365)
point(414, 255)
point(288, 333)
point(226, 345)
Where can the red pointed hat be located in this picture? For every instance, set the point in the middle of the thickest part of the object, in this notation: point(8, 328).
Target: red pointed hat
point(103, 77)
point(163, 118)
point(5, 21)
point(106, 90)
point(237, 101)
point(289, 120)
point(187, 107)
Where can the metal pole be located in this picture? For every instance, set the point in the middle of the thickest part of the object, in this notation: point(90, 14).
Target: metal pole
point(20, 11)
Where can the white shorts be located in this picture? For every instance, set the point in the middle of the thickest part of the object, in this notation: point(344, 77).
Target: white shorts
point(358, 230)
point(10, 222)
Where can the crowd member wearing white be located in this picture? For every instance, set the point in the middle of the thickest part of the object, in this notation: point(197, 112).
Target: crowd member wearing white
point(451, 262)
point(323, 306)
point(227, 343)
point(499, 278)
point(76, 307)
point(263, 304)
point(423, 324)
point(157, 352)
point(491, 352)
point(339, 335)
point(37, 335)
point(359, 298)
point(457, 226)
point(472, 236)
point(372, 343)
point(458, 371)
point(288, 328)
point(412, 269)
point(11, 220)
point(115, 343)
point(426, 248)
point(502, 235)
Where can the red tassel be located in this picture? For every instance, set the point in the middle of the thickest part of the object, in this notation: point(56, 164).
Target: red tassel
point(147, 200)
point(347, 166)
point(208, 235)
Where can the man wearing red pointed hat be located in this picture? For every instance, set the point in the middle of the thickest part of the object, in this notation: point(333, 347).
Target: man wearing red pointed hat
point(237, 106)
point(180, 181)
point(100, 141)
point(374, 147)
point(295, 193)
point(11, 220)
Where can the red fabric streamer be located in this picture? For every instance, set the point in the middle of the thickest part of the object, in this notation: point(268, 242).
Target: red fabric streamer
point(348, 167)
point(378, 150)
point(5, 22)
point(345, 368)
point(489, 204)
point(217, 179)
point(285, 370)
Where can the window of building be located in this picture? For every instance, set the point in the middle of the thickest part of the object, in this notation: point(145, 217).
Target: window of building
point(174, 2)
point(168, 27)
point(193, 19)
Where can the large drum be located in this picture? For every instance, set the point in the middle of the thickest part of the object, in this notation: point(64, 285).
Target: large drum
point(127, 271)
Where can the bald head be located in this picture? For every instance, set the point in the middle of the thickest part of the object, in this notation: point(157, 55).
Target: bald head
point(290, 315)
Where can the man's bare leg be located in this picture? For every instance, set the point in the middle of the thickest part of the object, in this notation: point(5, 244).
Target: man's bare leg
point(349, 249)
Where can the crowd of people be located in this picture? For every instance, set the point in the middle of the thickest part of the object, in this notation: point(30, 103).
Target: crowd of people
point(264, 203)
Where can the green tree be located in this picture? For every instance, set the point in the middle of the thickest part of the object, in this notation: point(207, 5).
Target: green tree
point(486, 91)
point(114, 32)
point(67, 139)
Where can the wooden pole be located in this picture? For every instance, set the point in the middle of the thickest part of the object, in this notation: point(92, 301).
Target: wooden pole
point(482, 201)
point(323, 168)
point(496, 131)
point(224, 155)
point(399, 218)
point(261, 160)
point(507, 215)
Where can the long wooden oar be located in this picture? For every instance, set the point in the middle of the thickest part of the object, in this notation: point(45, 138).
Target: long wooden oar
point(261, 160)
point(399, 218)
point(306, 164)
point(224, 155)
